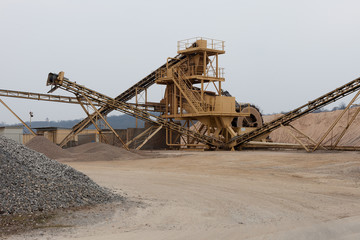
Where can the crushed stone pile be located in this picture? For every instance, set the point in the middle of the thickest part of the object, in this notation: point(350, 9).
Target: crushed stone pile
point(51, 150)
point(30, 182)
point(100, 151)
point(315, 125)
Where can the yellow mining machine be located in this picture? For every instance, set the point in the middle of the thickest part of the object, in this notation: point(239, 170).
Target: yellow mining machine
point(194, 94)
point(195, 110)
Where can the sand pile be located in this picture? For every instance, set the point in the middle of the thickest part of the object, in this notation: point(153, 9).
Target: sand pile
point(316, 124)
point(32, 182)
point(100, 151)
point(51, 150)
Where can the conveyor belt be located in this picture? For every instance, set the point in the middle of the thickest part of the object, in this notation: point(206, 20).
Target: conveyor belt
point(311, 106)
point(123, 97)
point(42, 97)
point(126, 108)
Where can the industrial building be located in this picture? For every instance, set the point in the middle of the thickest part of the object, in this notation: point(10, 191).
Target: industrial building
point(13, 132)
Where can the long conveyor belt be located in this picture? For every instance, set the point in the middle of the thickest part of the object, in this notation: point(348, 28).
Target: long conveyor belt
point(153, 106)
point(126, 108)
point(42, 97)
point(311, 106)
point(123, 97)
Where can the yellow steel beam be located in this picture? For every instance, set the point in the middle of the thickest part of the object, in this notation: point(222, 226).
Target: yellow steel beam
point(311, 106)
point(347, 127)
point(139, 136)
point(75, 88)
point(42, 97)
point(106, 122)
point(296, 139)
point(336, 121)
point(92, 120)
point(148, 138)
point(32, 132)
point(145, 83)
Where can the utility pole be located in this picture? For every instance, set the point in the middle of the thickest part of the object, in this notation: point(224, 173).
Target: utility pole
point(31, 115)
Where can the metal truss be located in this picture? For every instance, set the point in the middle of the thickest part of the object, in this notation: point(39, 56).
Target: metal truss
point(291, 116)
point(58, 81)
point(137, 88)
point(43, 97)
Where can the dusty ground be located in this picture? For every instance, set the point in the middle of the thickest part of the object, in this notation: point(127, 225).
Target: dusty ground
point(222, 195)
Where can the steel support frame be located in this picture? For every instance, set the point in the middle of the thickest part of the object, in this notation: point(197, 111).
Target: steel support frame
point(25, 125)
point(93, 122)
point(296, 139)
point(336, 121)
point(106, 122)
point(347, 127)
point(41, 97)
point(74, 133)
point(149, 137)
point(77, 89)
point(305, 136)
point(291, 116)
point(139, 136)
point(139, 93)
point(145, 83)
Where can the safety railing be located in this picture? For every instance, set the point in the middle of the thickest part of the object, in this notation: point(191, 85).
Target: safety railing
point(194, 71)
point(161, 73)
point(211, 43)
point(192, 95)
point(211, 72)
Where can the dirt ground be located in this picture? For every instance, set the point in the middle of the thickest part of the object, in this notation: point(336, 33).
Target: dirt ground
point(222, 195)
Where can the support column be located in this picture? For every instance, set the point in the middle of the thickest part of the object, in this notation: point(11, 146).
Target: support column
point(347, 127)
point(204, 69)
point(92, 120)
point(25, 125)
point(113, 130)
point(217, 66)
point(336, 121)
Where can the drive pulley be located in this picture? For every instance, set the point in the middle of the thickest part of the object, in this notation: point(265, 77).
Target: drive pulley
point(254, 120)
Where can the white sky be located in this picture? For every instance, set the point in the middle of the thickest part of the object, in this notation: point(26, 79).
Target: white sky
point(279, 53)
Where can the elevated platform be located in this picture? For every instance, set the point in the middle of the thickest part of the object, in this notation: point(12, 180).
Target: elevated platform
point(201, 44)
point(194, 79)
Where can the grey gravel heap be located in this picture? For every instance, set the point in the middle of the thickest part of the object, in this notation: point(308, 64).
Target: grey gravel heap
point(29, 182)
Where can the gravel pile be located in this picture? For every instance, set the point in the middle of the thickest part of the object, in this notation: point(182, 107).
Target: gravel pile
point(50, 149)
point(100, 151)
point(29, 182)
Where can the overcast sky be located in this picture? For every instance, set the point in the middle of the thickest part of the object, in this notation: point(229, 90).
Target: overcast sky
point(280, 54)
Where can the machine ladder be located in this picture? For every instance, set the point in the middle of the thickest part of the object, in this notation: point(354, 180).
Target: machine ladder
point(192, 96)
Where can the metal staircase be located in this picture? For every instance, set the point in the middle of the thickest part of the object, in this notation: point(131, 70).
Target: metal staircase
point(192, 96)
point(289, 117)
